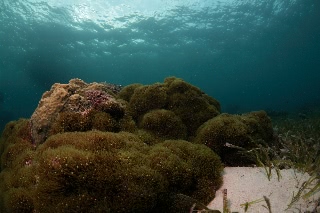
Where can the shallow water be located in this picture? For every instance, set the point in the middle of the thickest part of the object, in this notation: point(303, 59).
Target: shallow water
point(249, 55)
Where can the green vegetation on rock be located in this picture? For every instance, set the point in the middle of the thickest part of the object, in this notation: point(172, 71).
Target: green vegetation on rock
point(145, 148)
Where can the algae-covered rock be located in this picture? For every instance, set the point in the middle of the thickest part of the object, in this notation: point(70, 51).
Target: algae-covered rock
point(143, 148)
point(146, 98)
point(15, 140)
point(164, 123)
point(225, 131)
point(192, 105)
point(189, 104)
point(106, 172)
point(79, 106)
point(70, 107)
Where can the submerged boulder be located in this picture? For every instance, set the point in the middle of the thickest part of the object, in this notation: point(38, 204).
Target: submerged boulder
point(101, 148)
point(105, 172)
point(72, 106)
point(185, 101)
point(225, 132)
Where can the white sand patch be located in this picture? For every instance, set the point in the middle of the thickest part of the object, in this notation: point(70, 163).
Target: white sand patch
point(246, 184)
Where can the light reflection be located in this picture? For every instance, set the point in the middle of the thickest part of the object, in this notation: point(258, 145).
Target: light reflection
point(121, 13)
point(82, 12)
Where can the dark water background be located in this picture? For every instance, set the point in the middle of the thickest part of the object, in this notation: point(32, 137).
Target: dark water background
point(248, 54)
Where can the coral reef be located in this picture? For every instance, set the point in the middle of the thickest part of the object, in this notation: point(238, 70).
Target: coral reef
point(105, 172)
point(70, 107)
point(102, 148)
point(189, 104)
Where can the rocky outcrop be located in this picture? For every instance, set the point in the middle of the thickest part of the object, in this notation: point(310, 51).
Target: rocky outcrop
point(77, 99)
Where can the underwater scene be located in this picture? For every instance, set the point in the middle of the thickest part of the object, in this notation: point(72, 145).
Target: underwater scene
point(159, 106)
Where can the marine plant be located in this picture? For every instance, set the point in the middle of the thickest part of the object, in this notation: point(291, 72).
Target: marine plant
point(225, 133)
point(297, 147)
point(96, 148)
point(164, 124)
point(192, 106)
point(104, 171)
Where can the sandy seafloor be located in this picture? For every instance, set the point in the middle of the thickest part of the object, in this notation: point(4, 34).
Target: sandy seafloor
point(246, 184)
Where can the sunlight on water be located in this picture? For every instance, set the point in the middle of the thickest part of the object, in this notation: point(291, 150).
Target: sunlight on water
point(236, 51)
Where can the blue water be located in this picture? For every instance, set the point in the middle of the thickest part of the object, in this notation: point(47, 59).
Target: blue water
point(248, 54)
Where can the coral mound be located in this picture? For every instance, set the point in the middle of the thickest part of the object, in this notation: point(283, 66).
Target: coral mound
point(70, 107)
point(105, 172)
point(225, 131)
point(101, 148)
point(184, 101)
